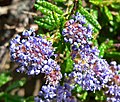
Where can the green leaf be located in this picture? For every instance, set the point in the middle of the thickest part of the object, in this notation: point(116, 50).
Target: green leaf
point(96, 2)
point(114, 53)
point(108, 13)
point(99, 96)
point(52, 18)
point(46, 20)
point(85, 95)
point(78, 88)
point(50, 6)
point(43, 25)
point(82, 96)
point(115, 6)
point(16, 84)
point(30, 99)
point(42, 9)
point(1, 94)
point(68, 61)
point(57, 20)
point(4, 78)
point(103, 2)
point(95, 42)
point(13, 98)
point(102, 49)
point(59, 0)
point(104, 46)
point(67, 65)
point(94, 13)
point(90, 19)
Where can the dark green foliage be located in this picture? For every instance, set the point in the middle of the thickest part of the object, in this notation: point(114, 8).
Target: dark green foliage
point(109, 18)
point(49, 6)
point(90, 19)
point(18, 83)
point(5, 95)
point(4, 78)
point(104, 47)
point(68, 62)
point(52, 15)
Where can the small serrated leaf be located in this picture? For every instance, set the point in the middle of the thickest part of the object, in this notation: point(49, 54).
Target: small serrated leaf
point(45, 20)
point(108, 13)
point(56, 18)
point(13, 98)
point(16, 84)
point(4, 78)
point(50, 6)
point(102, 49)
point(69, 61)
point(89, 18)
point(43, 10)
point(104, 46)
point(43, 25)
point(52, 15)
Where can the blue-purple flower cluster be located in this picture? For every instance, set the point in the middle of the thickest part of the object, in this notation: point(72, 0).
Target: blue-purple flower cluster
point(91, 76)
point(56, 93)
point(90, 71)
point(33, 53)
point(113, 87)
point(76, 31)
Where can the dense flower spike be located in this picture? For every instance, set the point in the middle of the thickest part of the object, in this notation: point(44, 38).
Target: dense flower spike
point(113, 86)
point(90, 71)
point(64, 93)
point(76, 31)
point(47, 93)
point(78, 34)
point(91, 76)
point(58, 93)
point(33, 53)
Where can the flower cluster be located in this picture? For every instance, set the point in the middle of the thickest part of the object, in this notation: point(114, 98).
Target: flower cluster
point(113, 86)
point(57, 93)
point(46, 94)
point(90, 71)
point(91, 76)
point(33, 53)
point(76, 31)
